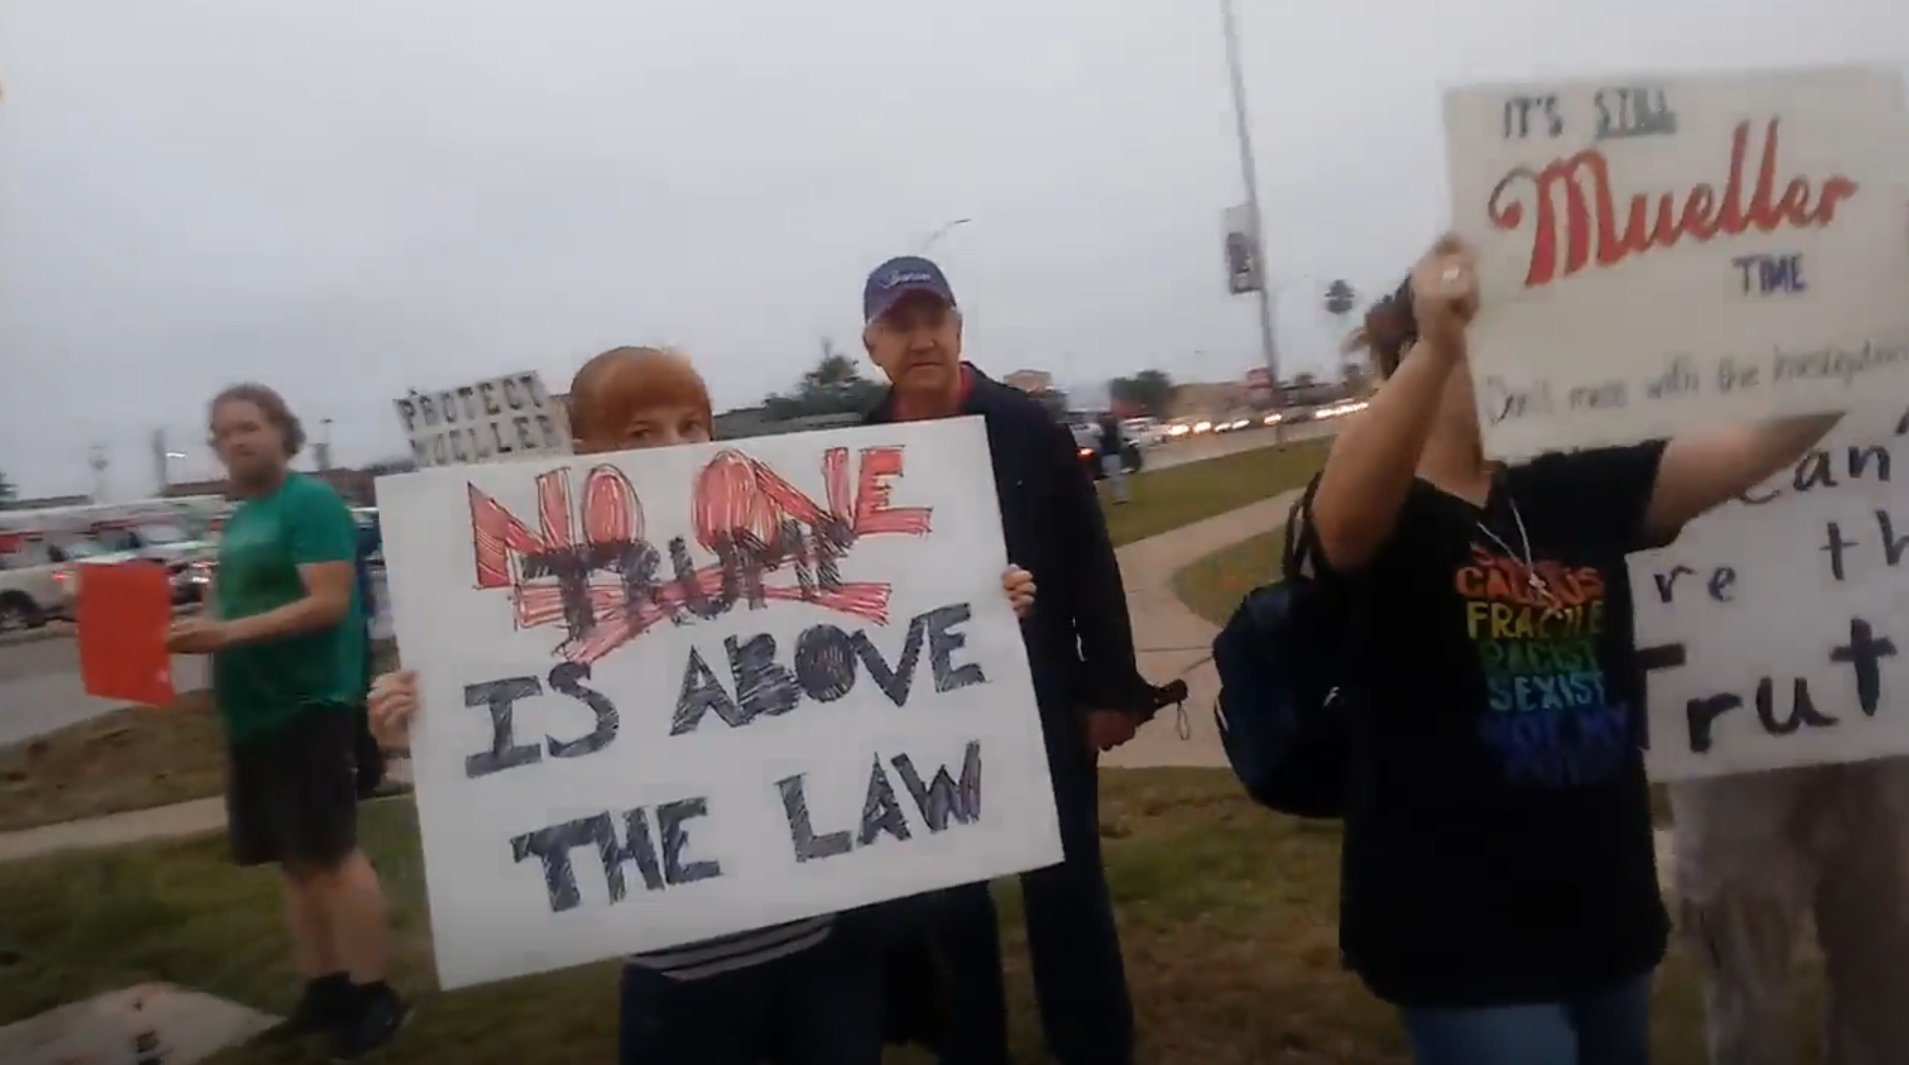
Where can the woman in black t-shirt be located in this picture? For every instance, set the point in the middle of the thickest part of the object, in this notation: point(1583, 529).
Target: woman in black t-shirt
point(1500, 882)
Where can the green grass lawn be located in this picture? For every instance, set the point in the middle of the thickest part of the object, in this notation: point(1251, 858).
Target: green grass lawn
point(1226, 912)
point(1213, 586)
point(139, 757)
point(131, 759)
point(1164, 500)
point(134, 758)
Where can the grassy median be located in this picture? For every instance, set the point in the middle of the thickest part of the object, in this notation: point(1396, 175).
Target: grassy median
point(1227, 917)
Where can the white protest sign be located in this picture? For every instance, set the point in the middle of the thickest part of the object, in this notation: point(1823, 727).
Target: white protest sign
point(1657, 253)
point(685, 692)
point(1775, 630)
point(506, 417)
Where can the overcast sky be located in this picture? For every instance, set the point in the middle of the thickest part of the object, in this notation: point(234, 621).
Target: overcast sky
point(347, 198)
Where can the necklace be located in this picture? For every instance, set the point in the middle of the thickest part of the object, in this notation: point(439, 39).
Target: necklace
point(1532, 579)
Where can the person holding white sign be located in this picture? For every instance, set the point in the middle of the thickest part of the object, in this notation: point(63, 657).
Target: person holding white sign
point(1499, 876)
point(802, 993)
point(1786, 819)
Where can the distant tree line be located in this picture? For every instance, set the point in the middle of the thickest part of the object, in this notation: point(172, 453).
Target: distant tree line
point(835, 385)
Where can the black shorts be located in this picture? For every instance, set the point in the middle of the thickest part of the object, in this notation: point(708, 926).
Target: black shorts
point(292, 796)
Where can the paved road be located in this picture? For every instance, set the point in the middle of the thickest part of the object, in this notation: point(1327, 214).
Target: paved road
point(1181, 452)
point(40, 683)
point(39, 679)
point(40, 688)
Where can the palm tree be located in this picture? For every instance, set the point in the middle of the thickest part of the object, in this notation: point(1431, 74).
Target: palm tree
point(833, 371)
point(1339, 298)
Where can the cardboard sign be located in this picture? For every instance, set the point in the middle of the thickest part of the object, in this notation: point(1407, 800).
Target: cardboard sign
point(487, 421)
point(1657, 253)
point(1775, 630)
point(124, 610)
point(692, 691)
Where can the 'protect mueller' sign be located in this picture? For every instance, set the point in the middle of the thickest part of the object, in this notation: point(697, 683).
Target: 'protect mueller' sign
point(500, 418)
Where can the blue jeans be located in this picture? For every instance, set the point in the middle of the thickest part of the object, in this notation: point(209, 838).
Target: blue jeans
point(821, 1006)
point(1607, 1027)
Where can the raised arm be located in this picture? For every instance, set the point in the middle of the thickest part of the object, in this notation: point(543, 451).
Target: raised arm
point(1706, 467)
point(1376, 455)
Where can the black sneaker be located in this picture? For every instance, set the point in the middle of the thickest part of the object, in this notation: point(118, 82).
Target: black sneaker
point(380, 1016)
point(313, 1014)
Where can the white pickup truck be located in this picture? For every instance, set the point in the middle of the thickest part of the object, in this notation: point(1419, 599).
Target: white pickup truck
point(39, 578)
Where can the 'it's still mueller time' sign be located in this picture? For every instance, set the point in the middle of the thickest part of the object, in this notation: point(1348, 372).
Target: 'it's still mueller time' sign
point(1662, 252)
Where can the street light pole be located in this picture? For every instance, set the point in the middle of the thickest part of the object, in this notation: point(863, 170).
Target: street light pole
point(1269, 345)
point(929, 243)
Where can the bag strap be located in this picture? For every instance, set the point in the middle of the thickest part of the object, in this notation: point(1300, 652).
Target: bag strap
point(1300, 554)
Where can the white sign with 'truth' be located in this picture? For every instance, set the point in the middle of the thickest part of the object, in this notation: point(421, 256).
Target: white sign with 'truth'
point(1775, 630)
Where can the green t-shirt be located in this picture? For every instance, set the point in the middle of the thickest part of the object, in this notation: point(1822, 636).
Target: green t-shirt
point(263, 685)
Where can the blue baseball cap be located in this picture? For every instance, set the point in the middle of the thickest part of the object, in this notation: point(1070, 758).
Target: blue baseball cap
point(899, 277)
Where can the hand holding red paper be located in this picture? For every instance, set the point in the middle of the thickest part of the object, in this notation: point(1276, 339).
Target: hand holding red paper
point(123, 610)
point(198, 636)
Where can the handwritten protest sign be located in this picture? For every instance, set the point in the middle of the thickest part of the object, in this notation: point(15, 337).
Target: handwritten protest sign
point(686, 692)
point(500, 418)
point(1663, 252)
point(1771, 628)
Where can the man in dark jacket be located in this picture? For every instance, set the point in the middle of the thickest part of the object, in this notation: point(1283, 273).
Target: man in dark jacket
point(1089, 689)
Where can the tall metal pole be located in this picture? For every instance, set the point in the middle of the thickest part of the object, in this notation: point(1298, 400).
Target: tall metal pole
point(1269, 345)
point(928, 244)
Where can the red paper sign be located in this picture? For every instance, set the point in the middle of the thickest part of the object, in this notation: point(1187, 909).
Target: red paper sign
point(124, 611)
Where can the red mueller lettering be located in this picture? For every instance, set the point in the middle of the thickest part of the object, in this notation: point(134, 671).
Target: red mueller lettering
point(1591, 216)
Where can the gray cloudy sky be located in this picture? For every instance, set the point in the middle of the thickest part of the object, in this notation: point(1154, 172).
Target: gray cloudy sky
point(350, 197)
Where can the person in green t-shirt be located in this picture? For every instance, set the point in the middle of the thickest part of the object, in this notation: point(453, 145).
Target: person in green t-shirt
point(285, 629)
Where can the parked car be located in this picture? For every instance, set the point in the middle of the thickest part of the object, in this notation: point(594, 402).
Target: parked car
point(186, 557)
point(39, 578)
point(1087, 442)
point(1180, 428)
point(1144, 431)
point(367, 519)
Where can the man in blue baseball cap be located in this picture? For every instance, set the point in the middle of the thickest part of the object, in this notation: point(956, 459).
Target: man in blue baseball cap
point(1087, 684)
point(906, 291)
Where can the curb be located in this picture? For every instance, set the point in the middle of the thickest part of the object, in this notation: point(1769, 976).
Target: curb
point(52, 630)
point(194, 817)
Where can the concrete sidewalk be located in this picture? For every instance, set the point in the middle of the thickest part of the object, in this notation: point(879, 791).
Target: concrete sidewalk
point(115, 830)
point(135, 826)
point(1174, 642)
